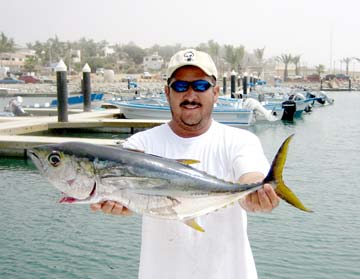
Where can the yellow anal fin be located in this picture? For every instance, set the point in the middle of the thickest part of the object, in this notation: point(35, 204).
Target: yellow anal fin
point(187, 161)
point(192, 223)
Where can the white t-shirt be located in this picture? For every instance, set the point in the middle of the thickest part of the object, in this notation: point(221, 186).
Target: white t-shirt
point(171, 249)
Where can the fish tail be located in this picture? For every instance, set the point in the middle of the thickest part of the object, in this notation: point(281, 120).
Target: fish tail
point(275, 178)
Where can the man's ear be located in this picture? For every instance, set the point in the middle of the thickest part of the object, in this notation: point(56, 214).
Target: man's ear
point(216, 92)
point(167, 91)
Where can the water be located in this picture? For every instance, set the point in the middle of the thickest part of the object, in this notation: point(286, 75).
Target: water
point(40, 238)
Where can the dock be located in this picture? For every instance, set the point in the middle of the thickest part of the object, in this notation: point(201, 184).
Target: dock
point(16, 133)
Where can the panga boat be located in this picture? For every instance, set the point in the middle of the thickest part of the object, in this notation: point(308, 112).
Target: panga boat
point(230, 113)
point(75, 101)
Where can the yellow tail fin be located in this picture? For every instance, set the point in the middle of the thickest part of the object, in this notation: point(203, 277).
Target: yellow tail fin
point(275, 178)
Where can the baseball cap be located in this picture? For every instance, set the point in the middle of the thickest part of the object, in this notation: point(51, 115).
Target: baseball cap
point(192, 57)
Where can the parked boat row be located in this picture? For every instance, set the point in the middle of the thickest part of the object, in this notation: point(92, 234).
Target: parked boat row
point(261, 104)
point(157, 108)
point(15, 106)
point(257, 106)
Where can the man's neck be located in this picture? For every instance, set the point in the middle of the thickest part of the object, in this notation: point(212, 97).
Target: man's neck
point(188, 132)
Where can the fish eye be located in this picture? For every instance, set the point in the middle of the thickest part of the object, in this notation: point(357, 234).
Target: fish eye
point(54, 159)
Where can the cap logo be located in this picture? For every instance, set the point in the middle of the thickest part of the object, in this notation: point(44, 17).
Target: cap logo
point(189, 56)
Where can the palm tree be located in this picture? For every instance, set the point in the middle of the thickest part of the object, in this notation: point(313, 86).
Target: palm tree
point(32, 63)
point(347, 61)
point(357, 59)
point(259, 54)
point(234, 55)
point(214, 50)
point(6, 44)
point(286, 59)
point(296, 61)
point(320, 69)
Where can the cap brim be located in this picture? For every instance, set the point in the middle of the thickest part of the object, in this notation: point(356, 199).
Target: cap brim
point(171, 71)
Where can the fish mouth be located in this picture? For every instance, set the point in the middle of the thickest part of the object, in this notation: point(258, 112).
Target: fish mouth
point(35, 158)
point(68, 199)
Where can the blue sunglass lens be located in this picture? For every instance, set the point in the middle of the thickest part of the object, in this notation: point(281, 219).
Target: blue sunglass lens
point(197, 85)
point(201, 85)
point(180, 86)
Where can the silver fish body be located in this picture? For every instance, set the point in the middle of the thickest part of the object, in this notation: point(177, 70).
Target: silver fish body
point(146, 184)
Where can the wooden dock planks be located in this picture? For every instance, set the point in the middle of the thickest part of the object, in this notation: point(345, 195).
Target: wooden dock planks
point(15, 142)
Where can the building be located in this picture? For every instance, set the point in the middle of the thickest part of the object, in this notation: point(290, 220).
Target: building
point(75, 55)
point(153, 62)
point(108, 51)
point(16, 60)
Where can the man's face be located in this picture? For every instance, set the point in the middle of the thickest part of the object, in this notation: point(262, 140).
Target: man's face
point(191, 110)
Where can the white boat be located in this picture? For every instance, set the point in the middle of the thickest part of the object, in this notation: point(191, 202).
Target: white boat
point(292, 101)
point(158, 108)
point(76, 101)
point(262, 111)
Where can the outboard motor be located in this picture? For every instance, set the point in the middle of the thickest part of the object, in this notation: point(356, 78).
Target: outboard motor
point(14, 106)
point(289, 107)
point(310, 95)
point(326, 98)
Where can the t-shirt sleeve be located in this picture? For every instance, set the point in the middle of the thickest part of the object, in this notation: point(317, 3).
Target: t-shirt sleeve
point(134, 142)
point(249, 158)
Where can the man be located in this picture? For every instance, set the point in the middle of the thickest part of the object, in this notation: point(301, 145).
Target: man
point(170, 249)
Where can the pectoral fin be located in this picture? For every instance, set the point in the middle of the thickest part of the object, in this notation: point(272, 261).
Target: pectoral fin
point(192, 223)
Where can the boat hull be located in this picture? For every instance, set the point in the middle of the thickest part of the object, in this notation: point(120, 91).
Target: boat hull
point(232, 117)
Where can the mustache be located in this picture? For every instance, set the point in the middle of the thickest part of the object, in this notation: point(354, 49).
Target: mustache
point(193, 103)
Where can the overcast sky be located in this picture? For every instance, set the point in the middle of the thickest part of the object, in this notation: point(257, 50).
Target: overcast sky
point(314, 29)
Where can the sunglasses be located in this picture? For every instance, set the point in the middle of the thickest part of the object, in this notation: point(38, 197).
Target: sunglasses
point(197, 85)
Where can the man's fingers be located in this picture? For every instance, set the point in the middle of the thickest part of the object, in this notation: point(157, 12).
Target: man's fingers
point(111, 207)
point(119, 209)
point(254, 199)
point(273, 197)
point(95, 206)
point(107, 206)
point(264, 201)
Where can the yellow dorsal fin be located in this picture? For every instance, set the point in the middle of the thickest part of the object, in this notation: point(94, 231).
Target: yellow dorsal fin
point(188, 161)
point(192, 223)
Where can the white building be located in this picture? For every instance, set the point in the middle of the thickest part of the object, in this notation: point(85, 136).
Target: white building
point(108, 51)
point(75, 55)
point(153, 62)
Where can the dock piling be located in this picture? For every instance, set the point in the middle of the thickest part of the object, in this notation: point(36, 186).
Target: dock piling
point(233, 84)
point(62, 92)
point(86, 87)
point(224, 84)
point(350, 84)
point(251, 82)
point(245, 84)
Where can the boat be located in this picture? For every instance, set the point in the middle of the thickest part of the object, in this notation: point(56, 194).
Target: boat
point(14, 108)
point(75, 101)
point(232, 114)
point(262, 111)
point(293, 101)
point(319, 98)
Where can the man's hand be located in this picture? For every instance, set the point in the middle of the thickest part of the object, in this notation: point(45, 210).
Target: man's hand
point(263, 200)
point(111, 207)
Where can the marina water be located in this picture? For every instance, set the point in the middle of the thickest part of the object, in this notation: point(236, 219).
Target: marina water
point(40, 238)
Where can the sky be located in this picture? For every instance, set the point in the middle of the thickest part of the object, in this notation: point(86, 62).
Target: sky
point(321, 31)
